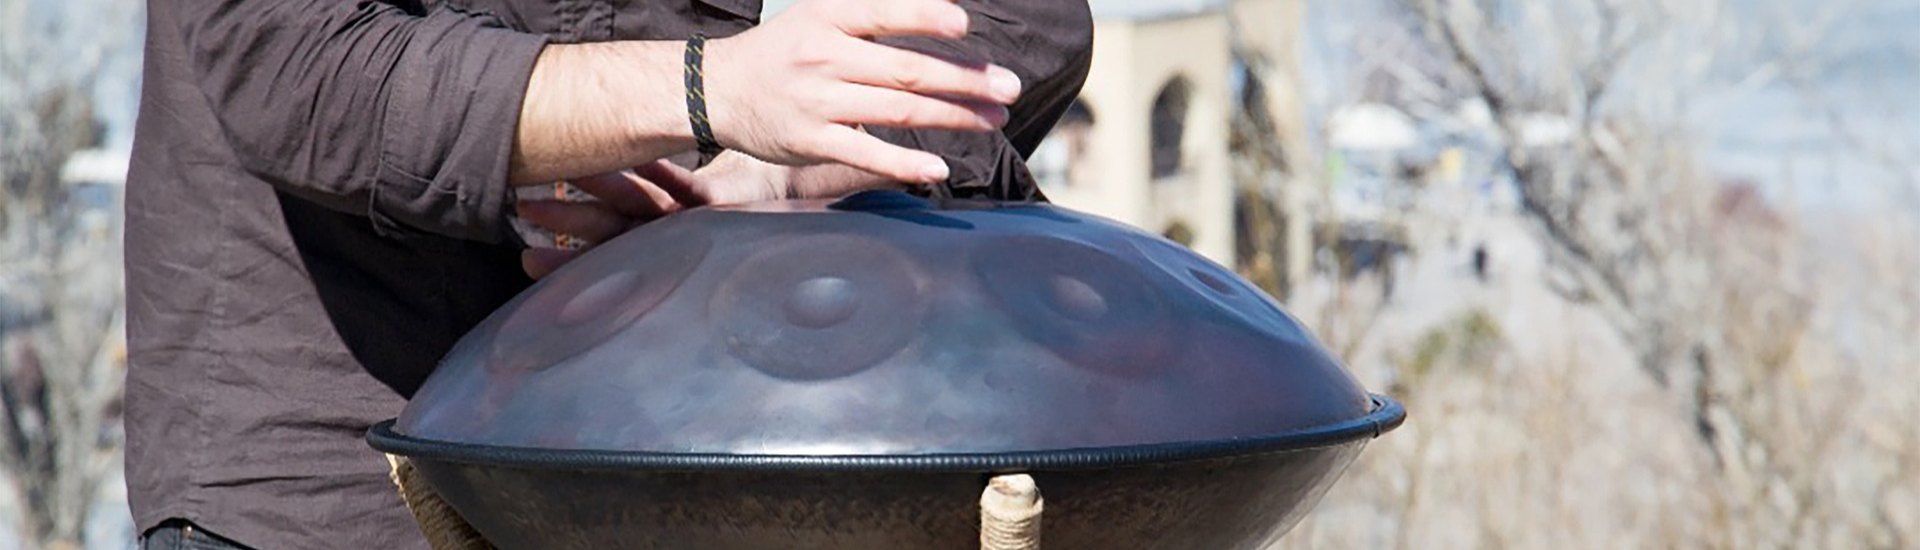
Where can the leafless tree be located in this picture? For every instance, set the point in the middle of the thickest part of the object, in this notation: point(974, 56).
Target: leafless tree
point(1756, 408)
point(1595, 196)
point(61, 301)
point(1699, 276)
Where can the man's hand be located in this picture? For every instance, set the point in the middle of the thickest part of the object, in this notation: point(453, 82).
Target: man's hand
point(793, 90)
point(623, 200)
point(627, 199)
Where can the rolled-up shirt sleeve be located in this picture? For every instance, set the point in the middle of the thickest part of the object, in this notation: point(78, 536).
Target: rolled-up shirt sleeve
point(406, 116)
point(1049, 44)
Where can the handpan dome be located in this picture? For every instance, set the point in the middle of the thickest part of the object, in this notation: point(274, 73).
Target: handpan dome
point(842, 374)
point(883, 324)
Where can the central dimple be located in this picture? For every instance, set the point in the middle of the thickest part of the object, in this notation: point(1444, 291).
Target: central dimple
point(822, 302)
point(1076, 299)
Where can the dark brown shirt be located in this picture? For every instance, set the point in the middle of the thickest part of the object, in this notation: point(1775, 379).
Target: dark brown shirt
point(317, 209)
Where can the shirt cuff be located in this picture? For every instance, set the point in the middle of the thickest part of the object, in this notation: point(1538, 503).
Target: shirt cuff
point(449, 129)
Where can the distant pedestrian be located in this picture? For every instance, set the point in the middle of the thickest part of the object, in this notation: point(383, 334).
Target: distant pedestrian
point(1480, 262)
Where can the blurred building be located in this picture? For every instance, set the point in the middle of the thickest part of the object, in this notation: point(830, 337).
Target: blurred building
point(1148, 141)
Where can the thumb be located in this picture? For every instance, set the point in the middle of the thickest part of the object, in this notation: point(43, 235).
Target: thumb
point(679, 183)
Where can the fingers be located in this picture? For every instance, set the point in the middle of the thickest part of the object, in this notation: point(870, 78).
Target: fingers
point(678, 183)
point(788, 91)
point(832, 180)
point(901, 69)
point(869, 18)
point(625, 199)
point(628, 194)
point(592, 221)
point(894, 108)
point(859, 150)
point(539, 262)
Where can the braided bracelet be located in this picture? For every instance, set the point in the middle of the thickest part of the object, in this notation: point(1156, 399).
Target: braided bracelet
point(697, 97)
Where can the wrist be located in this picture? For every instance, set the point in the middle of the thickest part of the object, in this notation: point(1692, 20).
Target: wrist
point(717, 85)
point(595, 108)
point(694, 76)
point(658, 116)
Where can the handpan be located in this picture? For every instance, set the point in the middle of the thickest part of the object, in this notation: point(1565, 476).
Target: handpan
point(844, 375)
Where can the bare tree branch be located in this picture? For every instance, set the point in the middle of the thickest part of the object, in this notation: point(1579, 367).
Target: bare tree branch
point(60, 291)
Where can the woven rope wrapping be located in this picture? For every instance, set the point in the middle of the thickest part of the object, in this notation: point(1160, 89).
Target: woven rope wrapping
point(444, 528)
point(1010, 514)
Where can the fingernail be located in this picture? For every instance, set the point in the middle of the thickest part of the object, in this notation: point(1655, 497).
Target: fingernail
point(1003, 84)
point(954, 22)
point(934, 172)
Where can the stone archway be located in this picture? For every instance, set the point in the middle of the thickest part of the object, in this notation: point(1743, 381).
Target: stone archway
point(1167, 127)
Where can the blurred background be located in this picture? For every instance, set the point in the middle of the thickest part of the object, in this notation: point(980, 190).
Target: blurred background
point(1645, 272)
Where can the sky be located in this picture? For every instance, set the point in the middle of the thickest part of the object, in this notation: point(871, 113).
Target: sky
point(1832, 132)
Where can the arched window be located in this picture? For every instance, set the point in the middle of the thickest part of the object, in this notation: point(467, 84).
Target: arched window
point(1253, 134)
point(1252, 90)
point(1168, 127)
point(1053, 163)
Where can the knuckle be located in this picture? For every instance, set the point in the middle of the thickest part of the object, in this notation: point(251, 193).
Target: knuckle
point(899, 116)
point(906, 76)
point(939, 115)
point(811, 102)
point(889, 15)
point(811, 53)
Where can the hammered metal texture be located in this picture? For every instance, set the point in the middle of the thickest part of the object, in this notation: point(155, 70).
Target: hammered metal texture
point(882, 325)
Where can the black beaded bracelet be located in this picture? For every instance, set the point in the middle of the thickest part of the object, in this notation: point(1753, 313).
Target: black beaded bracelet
point(697, 97)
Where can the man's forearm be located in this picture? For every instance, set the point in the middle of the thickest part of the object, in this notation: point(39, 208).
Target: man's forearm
point(593, 108)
